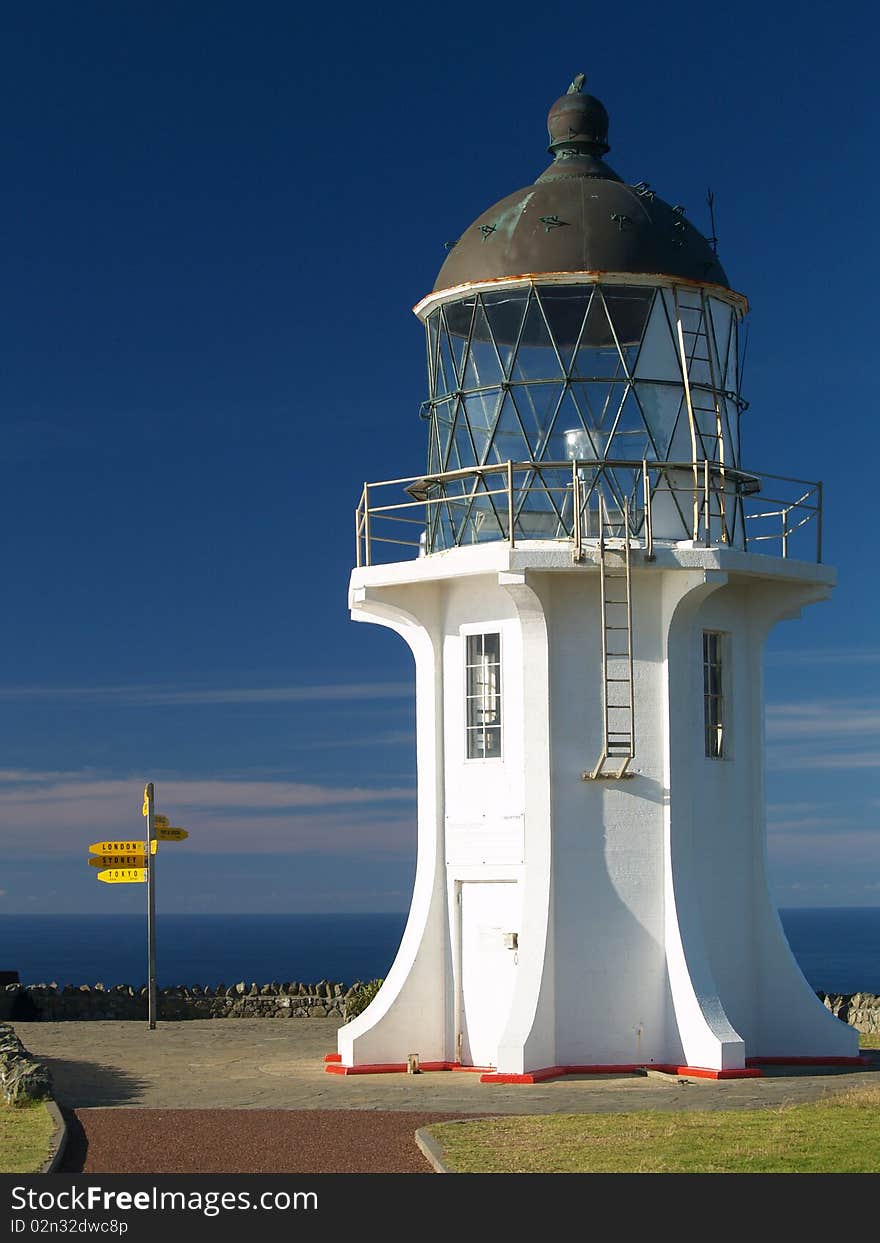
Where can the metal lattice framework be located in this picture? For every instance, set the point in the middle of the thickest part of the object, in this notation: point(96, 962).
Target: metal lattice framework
point(608, 373)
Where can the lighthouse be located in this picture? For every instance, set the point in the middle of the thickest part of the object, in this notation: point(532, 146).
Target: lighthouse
point(586, 568)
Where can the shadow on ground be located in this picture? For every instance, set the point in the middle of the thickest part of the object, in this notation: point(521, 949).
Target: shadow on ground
point(77, 1146)
point(80, 1084)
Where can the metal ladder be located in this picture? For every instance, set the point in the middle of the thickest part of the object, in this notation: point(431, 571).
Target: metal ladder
point(615, 588)
point(694, 347)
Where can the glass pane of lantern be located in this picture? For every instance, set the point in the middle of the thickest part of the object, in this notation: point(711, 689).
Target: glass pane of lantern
point(658, 355)
point(536, 405)
point(721, 322)
point(510, 443)
point(432, 328)
point(461, 449)
point(597, 354)
point(660, 405)
point(730, 423)
point(628, 308)
point(458, 317)
point(482, 366)
point(565, 307)
point(629, 438)
point(574, 412)
point(536, 357)
point(436, 448)
point(481, 412)
point(484, 521)
point(447, 376)
point(505, 310)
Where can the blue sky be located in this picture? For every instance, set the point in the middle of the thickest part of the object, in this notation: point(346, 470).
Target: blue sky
point(216, 219)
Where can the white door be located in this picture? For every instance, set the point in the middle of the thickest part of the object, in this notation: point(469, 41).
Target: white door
point(488, 944)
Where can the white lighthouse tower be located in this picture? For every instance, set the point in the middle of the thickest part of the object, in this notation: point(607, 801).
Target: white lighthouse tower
point(591, 575)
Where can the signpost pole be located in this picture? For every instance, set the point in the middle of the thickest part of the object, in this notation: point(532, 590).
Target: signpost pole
point(151, 906)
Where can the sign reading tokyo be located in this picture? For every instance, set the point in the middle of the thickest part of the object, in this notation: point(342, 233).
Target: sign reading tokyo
point(124, 876)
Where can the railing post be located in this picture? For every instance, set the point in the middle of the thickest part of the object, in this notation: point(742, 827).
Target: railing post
point(367, 553)
point(707, 508)
point(649, 518)
point(576, 512)
point(510, 534)
point(357, 537)
point(786, 509)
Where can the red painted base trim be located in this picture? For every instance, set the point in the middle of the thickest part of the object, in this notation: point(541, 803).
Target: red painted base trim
point(862, 1060)
point(557, 1072)
point(333, 1064)
point(375, 1068)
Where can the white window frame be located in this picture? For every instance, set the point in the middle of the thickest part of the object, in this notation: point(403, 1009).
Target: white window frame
point(481, 729)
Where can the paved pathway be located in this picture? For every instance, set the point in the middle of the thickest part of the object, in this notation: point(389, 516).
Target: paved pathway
point(278, 1064)
point(251, 1095)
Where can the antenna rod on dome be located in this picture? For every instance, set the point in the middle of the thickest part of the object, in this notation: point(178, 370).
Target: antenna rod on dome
point(710, 199)
point(577, 85)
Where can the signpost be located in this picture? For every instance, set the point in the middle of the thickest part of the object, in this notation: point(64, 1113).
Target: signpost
point(151, 907)
point(132, 862)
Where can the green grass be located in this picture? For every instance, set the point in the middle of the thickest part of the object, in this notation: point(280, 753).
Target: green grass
point(869, 1042)
point(25, 1137)
point(836, 1135)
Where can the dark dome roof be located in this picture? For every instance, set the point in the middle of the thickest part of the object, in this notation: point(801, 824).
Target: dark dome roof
point(579, 216)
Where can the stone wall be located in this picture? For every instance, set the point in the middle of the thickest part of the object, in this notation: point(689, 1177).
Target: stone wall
point(22, 1079)
point(860, 1010)
point(51, 1003)
point(326, 999)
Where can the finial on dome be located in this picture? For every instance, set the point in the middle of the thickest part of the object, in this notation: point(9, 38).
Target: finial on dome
point(578, 123)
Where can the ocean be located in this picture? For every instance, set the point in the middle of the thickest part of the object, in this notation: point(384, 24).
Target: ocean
point(838, 949)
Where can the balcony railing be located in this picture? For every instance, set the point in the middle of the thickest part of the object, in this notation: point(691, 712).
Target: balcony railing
point(660, 502)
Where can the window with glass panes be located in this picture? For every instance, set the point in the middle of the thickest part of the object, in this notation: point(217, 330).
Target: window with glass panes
point(483, 696)
point(713, 696)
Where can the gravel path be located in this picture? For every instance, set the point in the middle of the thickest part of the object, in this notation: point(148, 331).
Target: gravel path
point(253, 1141)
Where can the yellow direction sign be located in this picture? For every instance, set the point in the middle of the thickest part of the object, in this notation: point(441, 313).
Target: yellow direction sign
point(160, 822)
point(171, 834)
point(117, 861)
point(118, 848)
point(123, 876)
